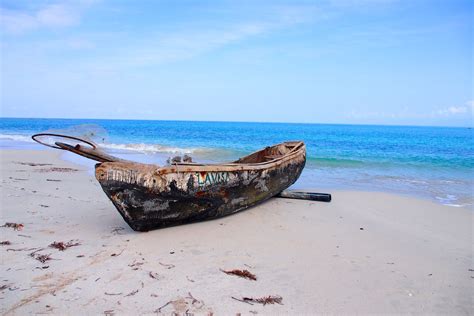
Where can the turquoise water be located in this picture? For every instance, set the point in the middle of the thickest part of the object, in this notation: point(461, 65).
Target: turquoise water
point(431, 162)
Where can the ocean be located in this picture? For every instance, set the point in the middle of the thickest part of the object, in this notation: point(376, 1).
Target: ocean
point(429, 162)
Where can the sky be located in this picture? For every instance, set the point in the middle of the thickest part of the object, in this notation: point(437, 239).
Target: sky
point(330, 61)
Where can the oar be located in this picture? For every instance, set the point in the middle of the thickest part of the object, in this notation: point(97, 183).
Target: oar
point(90, 151)
point(288, 194)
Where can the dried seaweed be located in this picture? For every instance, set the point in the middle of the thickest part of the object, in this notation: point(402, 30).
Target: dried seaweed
point(34, 164)
point(61, 246)
point(57, 169)
point(241, 273)
point(22, 249)
point(41, 258)
point(158, 310)
point(240, 300)
point(132, 293)
point(154, 275)
point(262, 300)
point(5, 243)
point(15, 226)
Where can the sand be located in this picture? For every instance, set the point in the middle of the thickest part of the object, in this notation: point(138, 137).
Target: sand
point(364, 252)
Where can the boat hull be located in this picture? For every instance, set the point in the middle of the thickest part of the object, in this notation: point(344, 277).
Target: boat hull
point(149, 197)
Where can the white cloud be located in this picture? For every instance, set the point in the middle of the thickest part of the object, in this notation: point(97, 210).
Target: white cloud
point(405, 113)
point(456, 110)
point(47, 16)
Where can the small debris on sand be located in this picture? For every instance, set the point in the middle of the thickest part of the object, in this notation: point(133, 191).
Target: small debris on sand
point(53, 180)
point(168, 266)
point(60, 245)
point(117, 254)
point(195, 300)
point(42, 205)
point(262, 300)
point(5, 243)
point(15, 226)
point(154, 275)
point(117, 230)
point(241, 273)
point(135, 265)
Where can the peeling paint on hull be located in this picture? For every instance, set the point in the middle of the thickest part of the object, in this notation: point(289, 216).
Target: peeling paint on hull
point(149, 197)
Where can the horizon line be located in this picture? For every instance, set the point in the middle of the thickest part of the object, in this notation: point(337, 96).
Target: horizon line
point(217, 121)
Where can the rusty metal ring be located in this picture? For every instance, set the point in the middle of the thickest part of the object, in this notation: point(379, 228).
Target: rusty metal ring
point(94, 146)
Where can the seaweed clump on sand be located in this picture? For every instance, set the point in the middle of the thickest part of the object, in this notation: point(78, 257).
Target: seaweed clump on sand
point(60, 245)
point(262, 300)
point(15, 226)
point(41, 258)
point(241, 273)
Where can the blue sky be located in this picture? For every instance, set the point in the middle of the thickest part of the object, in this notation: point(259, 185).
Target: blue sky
point(347, 61)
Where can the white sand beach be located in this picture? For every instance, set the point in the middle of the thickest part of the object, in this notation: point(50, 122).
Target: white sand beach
point(362, 253)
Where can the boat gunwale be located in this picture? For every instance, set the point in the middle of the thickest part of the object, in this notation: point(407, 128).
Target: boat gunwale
point(299, 149)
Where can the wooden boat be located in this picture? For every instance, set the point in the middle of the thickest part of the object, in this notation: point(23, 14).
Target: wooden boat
point(150, 197)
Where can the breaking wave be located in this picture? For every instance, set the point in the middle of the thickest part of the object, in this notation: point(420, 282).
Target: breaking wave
point(149, 148)
point(15, 137)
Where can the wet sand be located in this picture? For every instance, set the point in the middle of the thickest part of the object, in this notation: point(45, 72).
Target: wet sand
point(362, 253)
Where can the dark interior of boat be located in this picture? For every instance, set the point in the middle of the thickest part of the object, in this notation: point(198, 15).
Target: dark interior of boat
point(268, 154)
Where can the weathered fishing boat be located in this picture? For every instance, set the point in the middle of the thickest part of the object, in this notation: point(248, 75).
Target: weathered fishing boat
point(150, 197)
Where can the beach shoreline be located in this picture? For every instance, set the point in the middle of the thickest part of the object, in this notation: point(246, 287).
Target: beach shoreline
point(365, 252)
